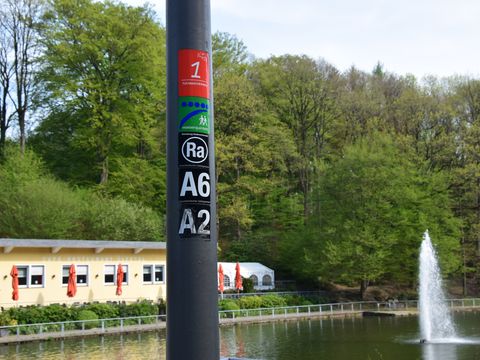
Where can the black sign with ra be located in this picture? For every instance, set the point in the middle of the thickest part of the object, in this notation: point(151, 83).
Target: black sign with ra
point(193, 149)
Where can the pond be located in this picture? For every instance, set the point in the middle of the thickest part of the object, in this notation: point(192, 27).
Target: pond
point(372, 338)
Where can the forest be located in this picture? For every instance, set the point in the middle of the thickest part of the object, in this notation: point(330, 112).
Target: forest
point(327, 176)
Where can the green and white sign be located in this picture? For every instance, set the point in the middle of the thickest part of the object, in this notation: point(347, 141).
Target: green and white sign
point(193, 115)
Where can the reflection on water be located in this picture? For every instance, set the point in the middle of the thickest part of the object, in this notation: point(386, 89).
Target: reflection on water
point(115, 347)
point(439, 351)
point(339, 339)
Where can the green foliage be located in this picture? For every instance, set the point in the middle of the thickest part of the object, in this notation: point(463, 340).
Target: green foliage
point(272, 300)
point(247, 284)
point(228, 304)
point(35, 205)
point(103, 311)
point(141, 308)
point(250, 302)
point(87, 315)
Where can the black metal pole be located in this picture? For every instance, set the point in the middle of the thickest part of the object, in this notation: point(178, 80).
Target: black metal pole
point(192, 308)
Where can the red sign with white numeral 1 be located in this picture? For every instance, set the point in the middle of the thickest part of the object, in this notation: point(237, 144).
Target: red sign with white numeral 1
point(193, 73)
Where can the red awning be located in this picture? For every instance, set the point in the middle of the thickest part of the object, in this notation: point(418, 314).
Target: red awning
point(221, 283)
point(72, 282)
point(238, 278)
point(14, 275)
point(119, 279)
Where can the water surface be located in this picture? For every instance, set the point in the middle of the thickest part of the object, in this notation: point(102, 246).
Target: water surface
point(331, 339)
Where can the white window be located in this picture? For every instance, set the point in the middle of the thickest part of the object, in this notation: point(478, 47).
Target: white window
point(81, 272)
point(159, 273)
point(125, 274)
point(147, 274)
point(22, 276)
point(226, 281)
point(109, 274)
point(37, 275)
point(65, 274)
point(153, 274)
point(267, 280)
point(82, 275)
point(254, 279)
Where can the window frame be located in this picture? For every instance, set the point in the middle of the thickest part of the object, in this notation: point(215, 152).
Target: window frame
point(87, 283)
point(27, 276)
point(115, 270)
point(270, 280)
point(43, 276)
point(87, 280)
point(152, 269)
point(114, 273)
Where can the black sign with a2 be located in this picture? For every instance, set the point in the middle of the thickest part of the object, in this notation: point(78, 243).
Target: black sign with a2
point(193, 149)
point(194, 220)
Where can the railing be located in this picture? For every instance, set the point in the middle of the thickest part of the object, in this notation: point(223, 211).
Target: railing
point(279, 293)
point(102, 325)
point(337, 308)
point(80, 325)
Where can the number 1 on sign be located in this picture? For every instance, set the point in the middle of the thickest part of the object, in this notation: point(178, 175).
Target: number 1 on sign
point(196, 65)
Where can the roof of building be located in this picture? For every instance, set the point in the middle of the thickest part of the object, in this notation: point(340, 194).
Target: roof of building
point(246, 268)
point(98, 245)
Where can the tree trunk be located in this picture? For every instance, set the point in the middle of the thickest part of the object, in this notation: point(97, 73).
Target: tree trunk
point(104, 174)
point(363, 288)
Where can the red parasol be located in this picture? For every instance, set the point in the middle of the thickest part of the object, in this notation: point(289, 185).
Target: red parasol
point(14, 275)
point(221, 283)
point(119, 279)
point(72, 282)
point(238, 278)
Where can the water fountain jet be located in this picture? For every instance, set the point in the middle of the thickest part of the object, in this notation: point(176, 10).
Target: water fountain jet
point(436, 324)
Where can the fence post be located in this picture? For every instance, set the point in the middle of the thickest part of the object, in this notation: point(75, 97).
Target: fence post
point(18, 330)
point(285, 312)
point(352, 307)
point(83, 325)
point(331, 308)
point(62, 327)
point(308, 309)
point(103, 325)
point(40, 329)
point(121, 324)
point(139, 321)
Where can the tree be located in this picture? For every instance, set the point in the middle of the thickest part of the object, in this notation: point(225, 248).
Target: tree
point(296, 89)
point(19, 22)
point(374, 206)
point(103, 67)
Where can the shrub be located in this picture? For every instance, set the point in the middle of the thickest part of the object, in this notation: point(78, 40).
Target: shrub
point(271, 300)
point(141, 308)
point(103, 311)
point(228, 304)
point(250, 302)
point(88, 315)
point(6, 320)
point(296, 300)
point(247, 284)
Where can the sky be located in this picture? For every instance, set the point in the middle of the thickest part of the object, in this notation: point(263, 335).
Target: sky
point(419, 37)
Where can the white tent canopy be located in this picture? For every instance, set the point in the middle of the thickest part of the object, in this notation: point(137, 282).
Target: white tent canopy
point(262, 276)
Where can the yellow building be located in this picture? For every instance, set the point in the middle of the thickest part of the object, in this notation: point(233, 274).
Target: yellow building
point(43, 270)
